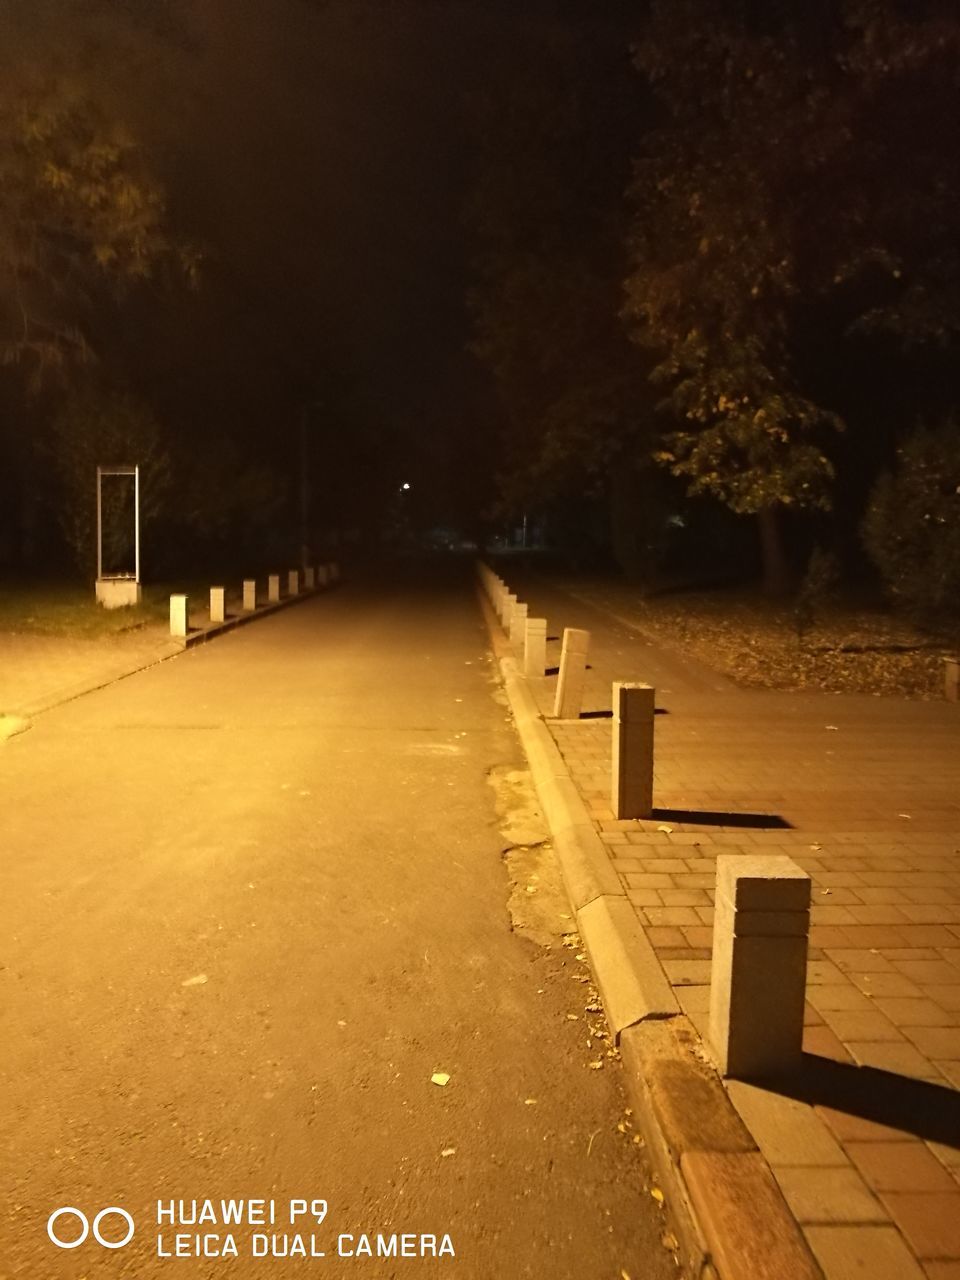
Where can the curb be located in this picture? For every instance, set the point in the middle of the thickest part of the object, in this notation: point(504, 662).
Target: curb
point(726, 1206)
point(20, 717)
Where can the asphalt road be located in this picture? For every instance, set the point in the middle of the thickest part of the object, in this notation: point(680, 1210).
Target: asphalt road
point(251, 900)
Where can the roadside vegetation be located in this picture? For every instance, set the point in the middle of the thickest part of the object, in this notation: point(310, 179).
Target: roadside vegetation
point(69, 609)
point(760, 642)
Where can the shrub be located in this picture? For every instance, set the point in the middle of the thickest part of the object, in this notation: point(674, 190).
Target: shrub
point(911, 530)
point(96, 428)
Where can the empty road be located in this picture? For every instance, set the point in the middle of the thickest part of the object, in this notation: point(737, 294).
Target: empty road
point(251, 901)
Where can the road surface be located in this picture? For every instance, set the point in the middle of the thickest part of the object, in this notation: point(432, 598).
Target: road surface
point(251, 901)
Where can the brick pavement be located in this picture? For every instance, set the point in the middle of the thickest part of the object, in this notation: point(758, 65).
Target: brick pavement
point(868, 794)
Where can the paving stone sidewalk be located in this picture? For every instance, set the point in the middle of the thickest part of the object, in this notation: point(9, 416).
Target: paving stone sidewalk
point(863, 793)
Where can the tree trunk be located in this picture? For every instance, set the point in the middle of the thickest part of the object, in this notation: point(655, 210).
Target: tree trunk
point(776, 571)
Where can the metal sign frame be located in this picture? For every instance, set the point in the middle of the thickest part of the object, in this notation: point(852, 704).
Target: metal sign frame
point(119, 471)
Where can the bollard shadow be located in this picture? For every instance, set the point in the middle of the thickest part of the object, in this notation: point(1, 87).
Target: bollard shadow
point(716, 818)
point(920, 1107)
point(608, 715)
point(555, 671)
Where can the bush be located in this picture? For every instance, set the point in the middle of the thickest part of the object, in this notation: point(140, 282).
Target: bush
point(96, 428)
point(911, 530)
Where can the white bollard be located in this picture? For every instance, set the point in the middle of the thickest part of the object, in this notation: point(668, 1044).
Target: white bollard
point(509, 604)
point(293, 582)
point(518, 625)
point(249, 594)
point(759, 970)
point(309, 578)
point(951, 679)
point(218, 611)
point(179, 616)
point(273, 588)
point(631, 767)
point(573, 674)
point(535, 647)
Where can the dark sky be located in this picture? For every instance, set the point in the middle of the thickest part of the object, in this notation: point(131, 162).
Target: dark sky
point(320, 150)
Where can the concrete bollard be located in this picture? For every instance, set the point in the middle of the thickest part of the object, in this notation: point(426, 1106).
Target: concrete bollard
point(218, 612)
point(179, 615)
point(273, 588)
point(535, 647)
point(509, 604)
point(573, 674)
point(249, 594)
point(631, 769)
point(951, 679)
point(759, 972)
point(293, 582)
point(309, 578)
point(334, 570)
point(518, 625)
point(322, 575)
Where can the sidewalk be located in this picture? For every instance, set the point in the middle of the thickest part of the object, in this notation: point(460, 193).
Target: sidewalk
point(39, 671)
point(863, 793)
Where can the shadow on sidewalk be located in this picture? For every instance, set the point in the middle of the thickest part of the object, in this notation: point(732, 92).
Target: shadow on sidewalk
point(715, 818)
point(926, 1110)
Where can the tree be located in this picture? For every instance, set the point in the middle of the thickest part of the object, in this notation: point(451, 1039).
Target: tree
point(80, 217)
point(96, 428)
point(546, 220)
point(912, 526)
point(774, 182)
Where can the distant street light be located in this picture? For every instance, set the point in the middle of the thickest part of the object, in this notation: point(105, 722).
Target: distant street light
point(404, 486)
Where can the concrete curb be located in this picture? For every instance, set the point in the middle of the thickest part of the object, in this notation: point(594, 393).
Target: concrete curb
point(18, 718)
point(201, 635)
point(726, 1207)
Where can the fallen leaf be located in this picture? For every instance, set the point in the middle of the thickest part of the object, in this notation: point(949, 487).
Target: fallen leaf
point(198, 981)
point(665, 829)
point(449, 1151)
point(573, 1017)
point(529, 1102)
point(670, 1241)
point(904, 815)
point(830, 726)
point(657, 1194)
point(596, 1066)
point(440, 1077)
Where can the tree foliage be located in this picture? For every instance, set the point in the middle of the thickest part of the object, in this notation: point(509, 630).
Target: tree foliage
point(546, 219)
point(912, 526)
point(81, 218)
point(797, 160)
point(97, 428)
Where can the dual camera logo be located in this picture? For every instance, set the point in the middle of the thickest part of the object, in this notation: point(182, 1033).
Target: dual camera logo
point(68, 1212)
